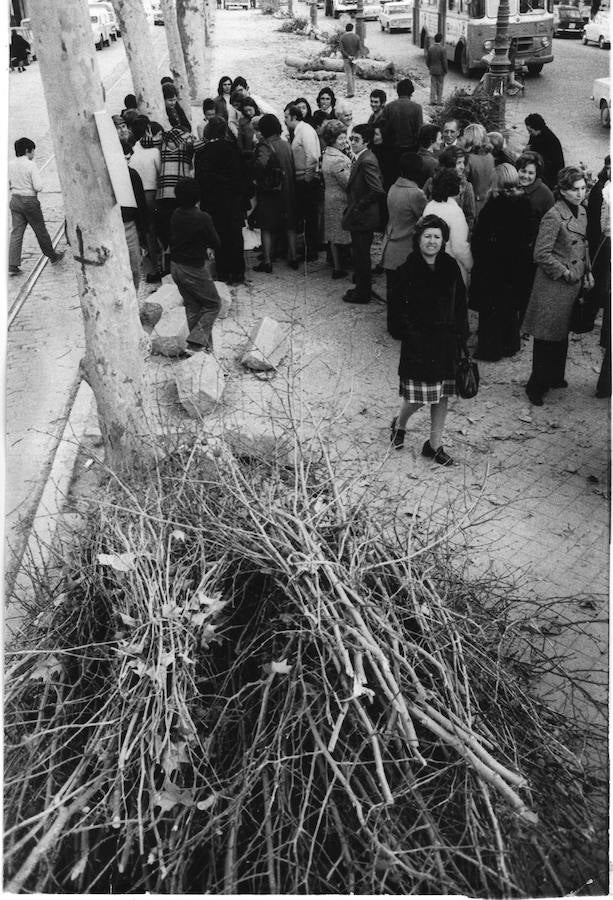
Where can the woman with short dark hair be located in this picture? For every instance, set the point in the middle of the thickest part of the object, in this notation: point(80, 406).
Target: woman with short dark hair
point(542, 140)
point(563, 267)
point(456, 159)
point(275, 190)
point(530, 167)
point(434, 326)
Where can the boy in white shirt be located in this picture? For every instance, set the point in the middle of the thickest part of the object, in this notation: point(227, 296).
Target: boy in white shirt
point(25, 184)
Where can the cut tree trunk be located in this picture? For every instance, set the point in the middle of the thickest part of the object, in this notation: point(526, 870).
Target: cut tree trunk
point(369, 69)
point(113, 363)
point(375, 69)
point(192, 31)
point(137, 42)
point(175, 52)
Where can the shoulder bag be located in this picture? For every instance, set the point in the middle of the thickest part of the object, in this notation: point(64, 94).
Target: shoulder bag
point(467, 375)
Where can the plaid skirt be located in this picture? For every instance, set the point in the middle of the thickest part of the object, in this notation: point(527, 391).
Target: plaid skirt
point(426, 392)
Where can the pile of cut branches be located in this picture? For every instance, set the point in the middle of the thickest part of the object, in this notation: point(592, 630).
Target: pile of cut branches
point(246, 683)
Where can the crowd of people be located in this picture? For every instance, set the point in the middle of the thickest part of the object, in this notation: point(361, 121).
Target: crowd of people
point(465, 223)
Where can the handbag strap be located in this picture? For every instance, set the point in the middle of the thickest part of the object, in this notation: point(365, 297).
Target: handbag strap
point(598, 249)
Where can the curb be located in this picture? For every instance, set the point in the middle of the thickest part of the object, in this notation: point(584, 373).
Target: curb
point(47, 517)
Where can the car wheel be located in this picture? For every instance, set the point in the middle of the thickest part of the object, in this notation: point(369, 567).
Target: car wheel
point(605, 116)
point(602, 42)
point(107, 43)
point(98, 44)
point(535, 68)
point(584, 39)
point(388, 29)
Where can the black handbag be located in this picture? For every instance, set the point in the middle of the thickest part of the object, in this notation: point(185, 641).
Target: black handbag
point(583, 315)
point(467, 376)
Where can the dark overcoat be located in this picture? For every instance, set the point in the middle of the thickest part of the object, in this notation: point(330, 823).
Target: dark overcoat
point(502, 252)
point(364, 194)
point(561, 244)
point(276, 210)
point(433, 319)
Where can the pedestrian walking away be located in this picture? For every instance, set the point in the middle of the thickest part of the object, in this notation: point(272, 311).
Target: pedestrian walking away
point(563, 267)
point(401, 122)
point(436, 61)
point(544, 141)
point(350, 47)
point(363, 214)
point(434, 328)
point(191, 232)
point(25, 184)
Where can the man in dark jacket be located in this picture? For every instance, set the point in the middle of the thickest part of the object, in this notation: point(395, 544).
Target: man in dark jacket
point(350, 46)
point(363, 213)
point(436, 60)
point(543, 141)
point(429, 141)
point(401, 121)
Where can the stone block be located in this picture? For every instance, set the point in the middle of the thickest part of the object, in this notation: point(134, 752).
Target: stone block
point(255, 422)
point(167, 296)
point(226, 299)
point(169, 337)
point(268, 344)
point(200, 384)
point(150, 314)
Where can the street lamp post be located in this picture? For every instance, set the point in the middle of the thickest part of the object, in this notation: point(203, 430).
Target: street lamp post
point(497, 78)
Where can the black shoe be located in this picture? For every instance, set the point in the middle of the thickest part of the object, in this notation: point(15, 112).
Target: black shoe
point(153, 278)
point(15, 270)
point(58, 256)
point(560, 384)
point(293, 263)
point(438, 456)
point(263, 267)
point(350, 297)
point(397, 435)
point(535, 401)
point(339, 273)
point(602, 395)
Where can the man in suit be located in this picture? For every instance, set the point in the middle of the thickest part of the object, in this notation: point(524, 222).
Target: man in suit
point(363, 214)
point(400, 123)
point(436, 60)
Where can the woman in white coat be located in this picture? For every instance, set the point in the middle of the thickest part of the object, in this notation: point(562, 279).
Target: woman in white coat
point(445, 190)
point(336, 168)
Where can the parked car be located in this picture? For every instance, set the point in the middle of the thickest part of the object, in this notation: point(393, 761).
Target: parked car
point(336, 7)
point(236, 4)
point(601, 95)
point(106, 11)
point(25, 30)
point(371, 10)
point(396, 17)
point(598, 30)
point(567, 20)
point(100, 30)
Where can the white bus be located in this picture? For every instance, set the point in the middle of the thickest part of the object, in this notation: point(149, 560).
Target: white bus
point(469, 28)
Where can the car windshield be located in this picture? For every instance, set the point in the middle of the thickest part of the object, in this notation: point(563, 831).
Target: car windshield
point(570, 12)
point(397, 8)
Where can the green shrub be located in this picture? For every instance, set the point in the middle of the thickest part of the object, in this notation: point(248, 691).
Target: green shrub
point(470, 109)
point(270, 7)
point(295, 25)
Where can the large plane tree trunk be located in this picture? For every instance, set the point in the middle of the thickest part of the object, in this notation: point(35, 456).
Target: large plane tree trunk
point(113, 363)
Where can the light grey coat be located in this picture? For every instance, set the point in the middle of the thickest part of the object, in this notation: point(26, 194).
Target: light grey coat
point(561, 244)
point(336, 168)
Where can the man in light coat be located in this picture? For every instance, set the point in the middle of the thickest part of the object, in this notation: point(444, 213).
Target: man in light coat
point(363, 214)
point(436, 60)
point(306, 151)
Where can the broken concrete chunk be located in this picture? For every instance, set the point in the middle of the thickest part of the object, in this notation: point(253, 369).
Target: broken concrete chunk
point(150, 314)
point(268, 344)
point(169, 337)
point(226, 299)
point(200, 384)
point(167, 296)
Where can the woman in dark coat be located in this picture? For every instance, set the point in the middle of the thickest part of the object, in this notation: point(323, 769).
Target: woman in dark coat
point(218, 173)
point(543, 141)
point(275, 191)
point(434, 327)
point(529, 166)
point(563, 266)
point(502, 272)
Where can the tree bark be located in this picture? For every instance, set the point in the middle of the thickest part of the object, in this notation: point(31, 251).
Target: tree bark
point(290, 8)
point(175, 52)
point(192, 31)
point(137, 42)
point(113, 362)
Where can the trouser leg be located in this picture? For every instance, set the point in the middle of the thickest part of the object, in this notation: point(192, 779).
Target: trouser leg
point(201, 302)
point(19, 225)
point(31, 209)
point(309, 211)
point(543, 365)
point(348, 67)
point(133, 251)
point(439, 80)
point(360, 246)
point(558, 361)
point(433, 89)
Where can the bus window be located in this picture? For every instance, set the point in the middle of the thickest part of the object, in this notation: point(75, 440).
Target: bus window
point(528, 6)
point(477, 9)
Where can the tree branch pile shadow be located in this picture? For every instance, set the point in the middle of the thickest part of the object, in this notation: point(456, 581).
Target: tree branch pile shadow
point(246, 682)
